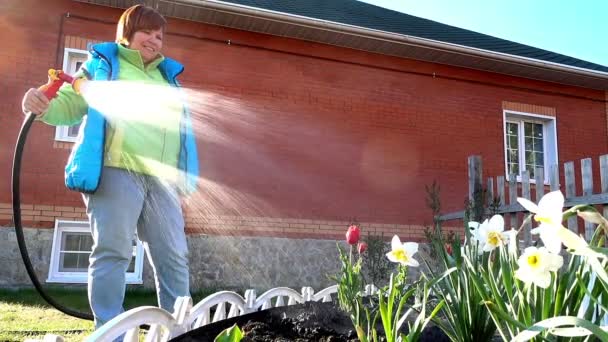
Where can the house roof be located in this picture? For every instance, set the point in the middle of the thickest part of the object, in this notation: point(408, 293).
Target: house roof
point(362, 26)
point(358, 13)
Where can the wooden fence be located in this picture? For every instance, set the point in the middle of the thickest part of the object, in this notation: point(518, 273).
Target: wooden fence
point(502, 195)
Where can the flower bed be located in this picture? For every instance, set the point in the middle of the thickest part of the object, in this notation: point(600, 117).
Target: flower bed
point(312, 321)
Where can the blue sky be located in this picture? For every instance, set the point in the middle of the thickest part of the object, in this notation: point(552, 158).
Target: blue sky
point(574, 28)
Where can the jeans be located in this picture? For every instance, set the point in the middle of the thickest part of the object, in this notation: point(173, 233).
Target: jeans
point(125, 203)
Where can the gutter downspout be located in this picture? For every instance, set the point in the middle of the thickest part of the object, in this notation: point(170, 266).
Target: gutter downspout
point(383, 35)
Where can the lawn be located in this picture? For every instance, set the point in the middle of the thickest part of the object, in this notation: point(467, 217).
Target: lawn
point(25, 315)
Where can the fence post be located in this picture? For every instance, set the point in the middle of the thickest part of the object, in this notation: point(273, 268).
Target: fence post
point(474, 176)
point(587, 173)
point(539, 180)
point(490, 193)
point(554, 177)
point(513, 199)
point(604, 178)
point(525, 193)
point(571, 192)
point(476, 202)
point(250, 298)
point(500, 187)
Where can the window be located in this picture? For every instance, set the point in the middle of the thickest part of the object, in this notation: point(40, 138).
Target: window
point(72, 60)
point(530, 142)
point(72, 244)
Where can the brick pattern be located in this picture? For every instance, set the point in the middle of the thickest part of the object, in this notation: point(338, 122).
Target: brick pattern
point(528, 108)
point(65, 145)
point(312, 130)
point(41, 216)
point(296, 228)
point(45, 215)
point(80, 43)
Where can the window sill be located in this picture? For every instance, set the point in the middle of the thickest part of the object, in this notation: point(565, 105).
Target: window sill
point(532, 181)
point(65, 139)
point(83, 280)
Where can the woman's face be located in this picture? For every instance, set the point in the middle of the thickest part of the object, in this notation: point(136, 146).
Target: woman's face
point(148, 43)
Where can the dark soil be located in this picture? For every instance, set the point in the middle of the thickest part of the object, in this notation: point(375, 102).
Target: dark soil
point(312, 321)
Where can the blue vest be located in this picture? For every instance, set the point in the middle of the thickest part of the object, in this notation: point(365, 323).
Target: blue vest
point(83, 171)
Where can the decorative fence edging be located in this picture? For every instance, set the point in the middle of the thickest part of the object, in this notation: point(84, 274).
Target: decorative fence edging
point(186, 317)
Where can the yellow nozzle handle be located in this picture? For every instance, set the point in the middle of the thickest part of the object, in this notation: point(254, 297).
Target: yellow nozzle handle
point(53, 74)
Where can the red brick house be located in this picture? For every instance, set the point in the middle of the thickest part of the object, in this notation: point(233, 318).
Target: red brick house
point(309, 114)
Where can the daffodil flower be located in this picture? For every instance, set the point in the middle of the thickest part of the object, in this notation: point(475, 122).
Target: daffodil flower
point(403, 253)
point(553, 234)
point(491, 233)
point(512, 236)
point(475, 240)
point(549, 214)
point(536, 265)
point(473, 229)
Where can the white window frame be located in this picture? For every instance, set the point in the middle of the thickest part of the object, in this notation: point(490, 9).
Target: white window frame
point(550, 156)
point(55, 276)
point(70, 59)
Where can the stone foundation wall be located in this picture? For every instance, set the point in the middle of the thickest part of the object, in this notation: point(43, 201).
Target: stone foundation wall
point(215, 261)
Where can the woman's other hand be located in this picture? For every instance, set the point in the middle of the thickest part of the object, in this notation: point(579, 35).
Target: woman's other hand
point(34, 101)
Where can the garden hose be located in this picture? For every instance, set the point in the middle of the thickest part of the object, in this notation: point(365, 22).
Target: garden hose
point(56, 79)
point(27, 124)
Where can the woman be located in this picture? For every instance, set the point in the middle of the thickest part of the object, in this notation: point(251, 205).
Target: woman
point(129, 171)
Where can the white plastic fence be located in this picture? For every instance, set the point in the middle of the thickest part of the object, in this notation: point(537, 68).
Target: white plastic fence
point(223, 304)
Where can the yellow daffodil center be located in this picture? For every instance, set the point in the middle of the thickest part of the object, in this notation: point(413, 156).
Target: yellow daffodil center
point(533, 260)
point(543, 219)
point(401, 255)
point(494, 238)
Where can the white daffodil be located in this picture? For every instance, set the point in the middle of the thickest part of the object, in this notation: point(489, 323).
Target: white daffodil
point(473, 229)
point(475, 240)
point(491, 233)
point(536, 265)
point(549, 214)
point(403, 252)
point(512, 236)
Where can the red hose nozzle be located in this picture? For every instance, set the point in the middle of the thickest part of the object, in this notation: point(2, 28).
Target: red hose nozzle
point(56, 80)
point(65, 77)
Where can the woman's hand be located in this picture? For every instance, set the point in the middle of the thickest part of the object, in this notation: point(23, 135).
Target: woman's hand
point(34, 101)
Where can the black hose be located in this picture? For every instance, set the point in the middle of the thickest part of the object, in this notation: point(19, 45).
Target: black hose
point(27, 123)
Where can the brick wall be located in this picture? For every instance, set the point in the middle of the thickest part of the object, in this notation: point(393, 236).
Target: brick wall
point(41, 215)
point(292, 132)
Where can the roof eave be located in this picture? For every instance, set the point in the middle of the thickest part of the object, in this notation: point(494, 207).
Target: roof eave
point(328, 32)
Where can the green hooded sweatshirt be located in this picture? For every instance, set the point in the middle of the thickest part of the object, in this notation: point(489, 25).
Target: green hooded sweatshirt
point(142, 112)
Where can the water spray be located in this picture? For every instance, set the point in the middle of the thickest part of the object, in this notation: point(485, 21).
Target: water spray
point(56, 79)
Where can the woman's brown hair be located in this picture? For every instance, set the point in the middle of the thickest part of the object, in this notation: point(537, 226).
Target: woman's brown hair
point(137, 18)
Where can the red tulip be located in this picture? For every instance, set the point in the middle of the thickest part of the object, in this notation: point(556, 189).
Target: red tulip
point(352, 235)
point(448, 248)
point(362, 247)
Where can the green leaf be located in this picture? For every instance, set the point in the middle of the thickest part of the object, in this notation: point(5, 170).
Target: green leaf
point(503, 315)
point(361, 334)
point(583, 286)
point(601, 250)
point(232, 334)
point(384, 316)
point(548, 297)
point(552, 323)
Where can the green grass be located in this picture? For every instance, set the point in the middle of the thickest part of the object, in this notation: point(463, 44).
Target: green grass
point(25, 315)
